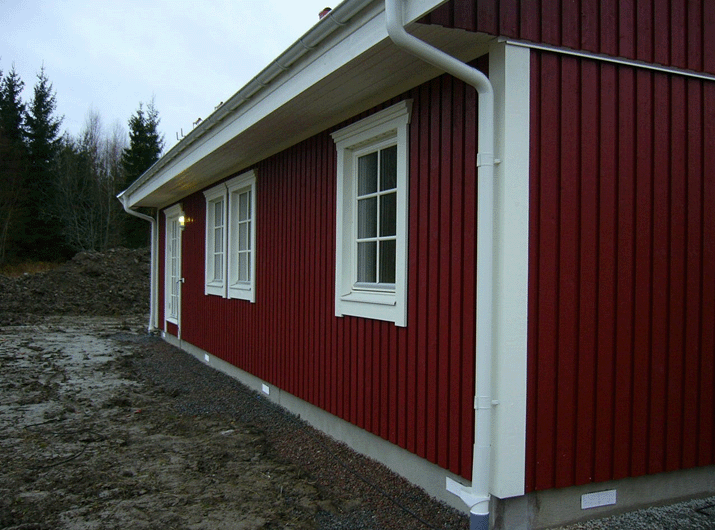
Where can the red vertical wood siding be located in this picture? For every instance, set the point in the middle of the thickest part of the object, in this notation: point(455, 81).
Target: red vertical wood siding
point(622, 272)
point(668, 32)
point(413, 386)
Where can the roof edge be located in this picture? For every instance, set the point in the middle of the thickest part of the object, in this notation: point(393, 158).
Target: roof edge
point(336, 19)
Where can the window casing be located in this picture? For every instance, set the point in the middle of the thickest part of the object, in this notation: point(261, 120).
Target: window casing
point(371, 231)
point(241, 241)
point(216, 217)
point(230, 238)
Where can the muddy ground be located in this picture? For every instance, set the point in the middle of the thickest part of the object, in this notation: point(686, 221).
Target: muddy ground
point(105, 427)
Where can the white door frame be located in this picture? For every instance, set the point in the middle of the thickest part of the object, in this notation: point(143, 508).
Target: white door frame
point(172, 268)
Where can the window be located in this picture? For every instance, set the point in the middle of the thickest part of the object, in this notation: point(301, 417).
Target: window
point(241, 262)
point(371, 252)
point(172, 265)
point(215, 240)
point(230, 238)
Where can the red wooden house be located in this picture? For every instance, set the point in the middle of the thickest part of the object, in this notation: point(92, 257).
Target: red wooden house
point(494, 272)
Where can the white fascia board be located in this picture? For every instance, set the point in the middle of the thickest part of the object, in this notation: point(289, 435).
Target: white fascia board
point(363, 31)
point(509, 74)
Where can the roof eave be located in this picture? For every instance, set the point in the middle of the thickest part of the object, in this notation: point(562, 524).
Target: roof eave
point(353, 20)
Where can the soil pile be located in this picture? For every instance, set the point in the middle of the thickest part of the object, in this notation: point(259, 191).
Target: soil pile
point(112, 283)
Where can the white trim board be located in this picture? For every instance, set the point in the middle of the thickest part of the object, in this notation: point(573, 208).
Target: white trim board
point(510, 77)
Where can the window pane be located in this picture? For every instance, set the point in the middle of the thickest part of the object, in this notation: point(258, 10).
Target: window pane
point(218, 213)
point(218, 240)
point(243, 236)
point(387, 261)
point(367, 174)
point(367, 218)
point(244, 206)
point(218, 269)
point(388, 168)
point(388, 214)
point(367, 262)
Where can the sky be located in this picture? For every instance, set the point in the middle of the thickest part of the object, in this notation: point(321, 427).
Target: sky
point(109, 56)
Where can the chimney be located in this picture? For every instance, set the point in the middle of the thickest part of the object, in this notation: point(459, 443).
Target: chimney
point(324, 12)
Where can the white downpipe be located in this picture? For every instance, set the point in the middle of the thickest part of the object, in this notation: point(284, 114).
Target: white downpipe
point(153, 273)
point(476, 496)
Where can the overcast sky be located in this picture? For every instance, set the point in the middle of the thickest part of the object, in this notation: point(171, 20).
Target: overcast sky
point(110, 55)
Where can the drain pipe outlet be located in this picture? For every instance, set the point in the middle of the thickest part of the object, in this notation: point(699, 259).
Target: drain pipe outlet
point(476, 496)
point(154, 252)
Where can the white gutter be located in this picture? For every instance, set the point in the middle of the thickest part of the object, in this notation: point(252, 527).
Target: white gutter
point(477, 496)
point(153, 273)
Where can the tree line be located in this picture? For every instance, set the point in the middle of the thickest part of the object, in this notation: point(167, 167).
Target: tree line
point(58, 191)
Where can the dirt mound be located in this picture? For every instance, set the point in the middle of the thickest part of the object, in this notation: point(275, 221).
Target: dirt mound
point(112, 283)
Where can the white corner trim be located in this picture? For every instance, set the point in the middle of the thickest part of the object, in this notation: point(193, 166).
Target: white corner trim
point(509, 68)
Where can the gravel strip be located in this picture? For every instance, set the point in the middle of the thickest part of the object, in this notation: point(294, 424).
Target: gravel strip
point(697, 514)
point(377, 498)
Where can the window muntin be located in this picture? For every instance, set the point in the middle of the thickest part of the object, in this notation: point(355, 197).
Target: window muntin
point(376, 208)
point(371, 229)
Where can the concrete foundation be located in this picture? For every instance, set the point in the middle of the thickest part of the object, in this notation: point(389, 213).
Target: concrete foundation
point(556, 507)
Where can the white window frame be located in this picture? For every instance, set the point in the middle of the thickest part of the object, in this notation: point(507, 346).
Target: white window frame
point(229, 286)
point(387, 127)
point(212, 285)
point(171, 281)
point(241, 289)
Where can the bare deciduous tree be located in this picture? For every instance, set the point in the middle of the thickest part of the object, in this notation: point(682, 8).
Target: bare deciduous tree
point(88, 180)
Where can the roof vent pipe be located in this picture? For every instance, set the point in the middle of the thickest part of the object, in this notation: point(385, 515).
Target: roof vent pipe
point(476, 496)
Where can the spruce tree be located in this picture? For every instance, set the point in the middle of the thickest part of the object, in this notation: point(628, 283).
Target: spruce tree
point(12, 109)
point(14, 219)
point(43, 134)
point(145, 147)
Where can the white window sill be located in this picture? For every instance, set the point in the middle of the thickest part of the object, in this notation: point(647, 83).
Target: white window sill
point(241, 291)
point(215, 289)
point(372, 305)
point(365, 297)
